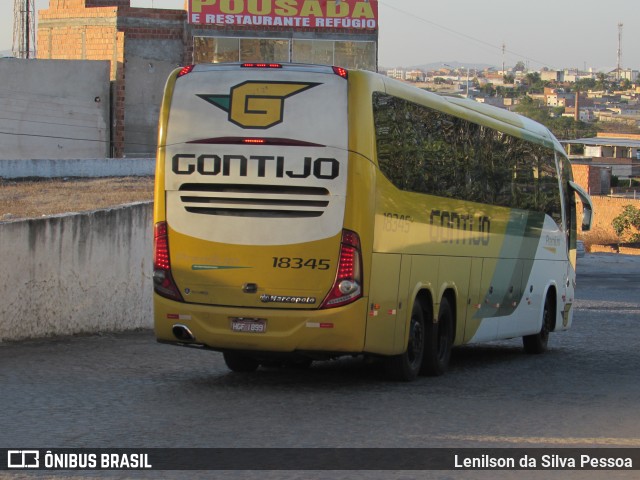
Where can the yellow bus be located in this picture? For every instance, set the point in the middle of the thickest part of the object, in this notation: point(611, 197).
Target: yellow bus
point(306, 212)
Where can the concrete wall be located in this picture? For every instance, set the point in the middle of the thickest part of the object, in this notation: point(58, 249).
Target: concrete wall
point(77, 273)
point(149, 63)
point(99, 167)
point(54, 109)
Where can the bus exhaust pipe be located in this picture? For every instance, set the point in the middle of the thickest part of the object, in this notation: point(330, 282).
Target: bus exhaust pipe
point(182, 333)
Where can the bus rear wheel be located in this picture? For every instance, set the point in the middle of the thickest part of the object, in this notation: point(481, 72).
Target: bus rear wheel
point(439, 342)
point(538, 343)
point(240, 363)
point(406, 367)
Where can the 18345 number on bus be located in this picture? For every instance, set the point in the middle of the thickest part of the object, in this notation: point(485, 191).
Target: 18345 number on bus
point(394, 222)
point(297, 263)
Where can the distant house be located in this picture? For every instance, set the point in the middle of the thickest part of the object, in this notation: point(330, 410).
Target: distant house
point(415, 76)
point(620, 152)
point(557, 97)
point(552, 76)
point(585, 114)
point(495, 78)
point(572, 75)
point(631, 75)
point(493, 101)
point(397, 73)
point(611, 116)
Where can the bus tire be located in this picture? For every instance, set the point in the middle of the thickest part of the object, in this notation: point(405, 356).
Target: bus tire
point(406, 366)
point(240, 363)
point(439, 341)
point(538, 342)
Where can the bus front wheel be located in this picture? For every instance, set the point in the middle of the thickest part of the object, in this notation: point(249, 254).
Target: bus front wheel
point(405, 367)
point(537, 343)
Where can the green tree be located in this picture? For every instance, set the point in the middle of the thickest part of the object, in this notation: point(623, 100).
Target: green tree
point(627, 224)
point(564, 128)
point(602, 82)
point(534, 83)
point(625, 84)
point(488, 89)
point(533, 109)
point(584, 84)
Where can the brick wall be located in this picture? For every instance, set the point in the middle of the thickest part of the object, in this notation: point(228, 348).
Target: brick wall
point(605, 210)
point(65, 4)
point(589, 178)
point(76, 33)
point(623, 136)
point(102, 3)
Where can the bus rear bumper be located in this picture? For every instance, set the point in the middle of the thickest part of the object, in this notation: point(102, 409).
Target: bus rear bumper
point(334, 330)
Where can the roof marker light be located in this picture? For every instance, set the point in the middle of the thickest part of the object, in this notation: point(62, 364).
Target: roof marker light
point(341, 72)
point(261, 65)
point(185, 70)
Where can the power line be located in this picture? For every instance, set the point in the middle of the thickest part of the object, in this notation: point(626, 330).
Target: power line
point(56, 123)
point(71, 138)
point(464, 35)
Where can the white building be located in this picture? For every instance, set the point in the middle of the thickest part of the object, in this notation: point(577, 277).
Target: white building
point(397, 73)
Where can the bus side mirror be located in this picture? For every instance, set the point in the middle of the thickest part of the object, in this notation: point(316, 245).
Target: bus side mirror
point(587, 217)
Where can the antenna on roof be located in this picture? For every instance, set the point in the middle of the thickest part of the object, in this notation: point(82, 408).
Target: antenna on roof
point(619, 50)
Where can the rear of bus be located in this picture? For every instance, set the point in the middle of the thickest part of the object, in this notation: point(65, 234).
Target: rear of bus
point(252, 253)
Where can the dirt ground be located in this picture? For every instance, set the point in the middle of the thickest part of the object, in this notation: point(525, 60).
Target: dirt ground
point(37, 198)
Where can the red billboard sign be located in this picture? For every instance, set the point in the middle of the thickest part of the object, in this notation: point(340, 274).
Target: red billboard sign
point(296, 14)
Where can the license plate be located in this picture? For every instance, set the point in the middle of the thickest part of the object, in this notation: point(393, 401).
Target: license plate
point(249, 325)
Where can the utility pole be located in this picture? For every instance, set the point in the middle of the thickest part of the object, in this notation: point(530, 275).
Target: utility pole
point(24, 32)
point(619, 50)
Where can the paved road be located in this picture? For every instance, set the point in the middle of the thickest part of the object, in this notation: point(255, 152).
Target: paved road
point(125, 390)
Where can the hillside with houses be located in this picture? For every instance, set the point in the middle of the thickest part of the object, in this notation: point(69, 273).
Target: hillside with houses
point(610, 100)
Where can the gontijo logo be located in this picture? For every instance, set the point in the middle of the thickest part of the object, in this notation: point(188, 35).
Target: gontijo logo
point(253, 104)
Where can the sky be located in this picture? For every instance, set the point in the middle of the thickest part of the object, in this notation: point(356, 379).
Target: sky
point(545, 33)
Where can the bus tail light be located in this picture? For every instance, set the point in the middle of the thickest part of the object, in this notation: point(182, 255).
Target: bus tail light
point(347, 286)
point(163, 282)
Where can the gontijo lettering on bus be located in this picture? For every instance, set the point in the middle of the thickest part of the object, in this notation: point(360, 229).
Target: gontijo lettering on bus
point(359, 14)
point(253, 165)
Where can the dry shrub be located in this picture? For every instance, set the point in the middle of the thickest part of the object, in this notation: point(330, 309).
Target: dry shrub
point(598, 236)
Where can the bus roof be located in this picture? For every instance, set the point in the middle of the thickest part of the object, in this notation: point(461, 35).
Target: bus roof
point(493, 117)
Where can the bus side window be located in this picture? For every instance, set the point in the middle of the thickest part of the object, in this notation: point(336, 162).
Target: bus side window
point(423, 150)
